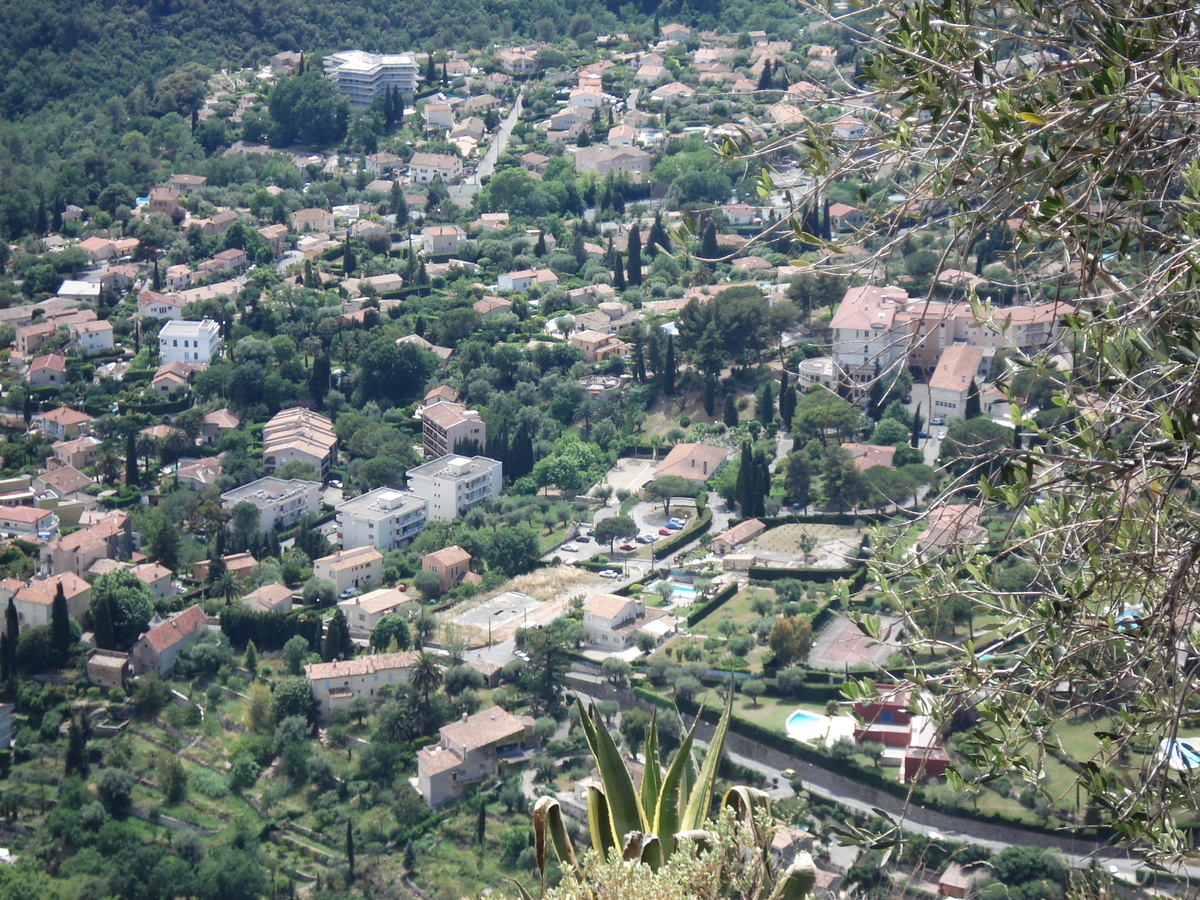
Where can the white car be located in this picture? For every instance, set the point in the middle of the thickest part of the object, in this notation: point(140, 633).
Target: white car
point(347, 593)
point(941, 435)
point(521, 655)
point(570, 548)
point(610, 573)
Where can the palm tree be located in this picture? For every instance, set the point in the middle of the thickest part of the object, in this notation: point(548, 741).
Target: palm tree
point(175, 444)
point(226, 587)
point(146, 447)
point(108, 467)
point(426, 677)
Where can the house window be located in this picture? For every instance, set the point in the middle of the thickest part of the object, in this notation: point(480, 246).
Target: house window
point(885, 717)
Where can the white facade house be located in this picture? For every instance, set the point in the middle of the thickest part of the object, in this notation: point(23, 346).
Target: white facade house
point(453, 484)
point(424, 167)
point(91, 337)
point(350, 568)
point(363, 76)
point(335, 684)
point(384, 518)
point(190, 342)
point(280, 502)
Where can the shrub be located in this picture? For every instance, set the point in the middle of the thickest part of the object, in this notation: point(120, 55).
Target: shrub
point(209, 784)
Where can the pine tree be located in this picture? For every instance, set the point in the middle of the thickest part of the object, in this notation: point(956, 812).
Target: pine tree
point(60, 625)
point(669, 368)
point(618, 271)
point(730, 415)
point(635, 256)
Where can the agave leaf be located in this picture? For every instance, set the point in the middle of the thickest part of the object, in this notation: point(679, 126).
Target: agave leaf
point(624, 808)
point(644, 848)
point(652, 779)
point(702, 790)
point(798, 881)
point(548, 822)
point(669, 809)
point(599, 822)
point(701, 837)
point(745, 803)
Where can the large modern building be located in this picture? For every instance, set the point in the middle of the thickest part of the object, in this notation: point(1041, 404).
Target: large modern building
point(384, 517)
point(189, 342)
point(453, 484)
point(363, 76)
point(280, 503)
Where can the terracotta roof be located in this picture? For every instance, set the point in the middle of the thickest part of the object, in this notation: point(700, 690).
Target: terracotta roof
point(606, 606)
point(53, 362)
point(436, 760)
point(379, 600)
point(222, 418)
point(956, 368)
point(148, 573)
point(868, 456)
point(345, 559)
point(168, 634)
point(743, 532)
point(42, 590)
point(696, 462)
point(362, 665)
point(484, 729)
point(869, 307)
point(66, 416)
point(448, 556)
point(26, 515)
point(65, 479)
point(270, 595)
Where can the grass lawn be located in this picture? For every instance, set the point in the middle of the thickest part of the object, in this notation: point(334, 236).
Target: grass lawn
point(736, 608)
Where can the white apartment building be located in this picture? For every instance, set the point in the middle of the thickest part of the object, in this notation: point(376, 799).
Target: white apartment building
point(453, 484)
point(189, 342)
point(385, 518)
point(424, 167)
point(280, 502)
point(363, 76)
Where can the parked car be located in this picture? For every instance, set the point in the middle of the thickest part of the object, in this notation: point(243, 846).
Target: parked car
point(645, 539)
point(675, 526)
point(675, 520)
point(938, 420)
point(941, 435)
point(571, 548)
point(610, 573)
point(334, 483)
point(922, 435)
point(521, 655)
point(628, 547)
point(347, 593)
point(584, 539)
point(665, 531)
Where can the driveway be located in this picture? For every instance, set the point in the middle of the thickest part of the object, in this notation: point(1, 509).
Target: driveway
point(488, 164)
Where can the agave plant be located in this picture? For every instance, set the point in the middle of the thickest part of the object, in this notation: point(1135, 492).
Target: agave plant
point(670, 811)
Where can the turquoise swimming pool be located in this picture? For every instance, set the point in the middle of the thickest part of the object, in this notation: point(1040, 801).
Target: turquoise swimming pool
point(803, 725)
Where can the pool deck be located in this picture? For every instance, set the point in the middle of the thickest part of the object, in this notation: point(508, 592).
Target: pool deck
point(827, 731)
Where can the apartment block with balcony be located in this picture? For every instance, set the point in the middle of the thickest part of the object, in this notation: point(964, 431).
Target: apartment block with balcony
point(280, 502)
point(363, 76)
point(384, 518)
point(453, 484)
point(444, 424)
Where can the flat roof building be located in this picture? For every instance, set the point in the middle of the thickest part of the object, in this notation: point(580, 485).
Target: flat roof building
point(384, 517)
point(363, 76)
point(280, 503)
point(453, 484)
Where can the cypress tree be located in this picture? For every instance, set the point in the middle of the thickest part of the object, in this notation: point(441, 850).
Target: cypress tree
point(766, 404)
point(481, 822)
point(787, 402)
point(250, 660)
point(60, 625)
point(445, 78)
point(639, 358)
point(350, 847)
point(710, 395)
point(430, 72)
point(917, 422)
point(744, 478)
point(131, 466)
point(76, 760)
point(658, 239)
point(156, 281)
point(539, 249)
point(349, 263)
point(102, 625)
point(669, 367)
point(764, 79)
point(730, 416)
point(709, 248)
point(318, 379)
point(618, 271)
point(635, 256)
point(973, 409)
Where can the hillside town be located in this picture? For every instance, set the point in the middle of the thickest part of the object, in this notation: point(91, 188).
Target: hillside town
point(336, 470)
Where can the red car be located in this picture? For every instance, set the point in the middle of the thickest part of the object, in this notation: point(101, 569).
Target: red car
point(665, 531)
point(628, 547)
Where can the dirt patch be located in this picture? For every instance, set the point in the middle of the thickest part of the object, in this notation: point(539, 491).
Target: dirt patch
point(835, 545)
point(552, 588)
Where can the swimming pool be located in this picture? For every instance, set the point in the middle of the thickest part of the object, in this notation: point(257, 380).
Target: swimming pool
point(1180, 754)
point(680, 593)
point(803, 725)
